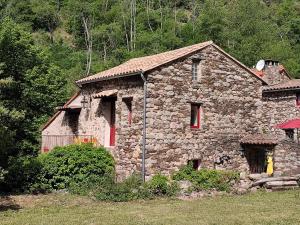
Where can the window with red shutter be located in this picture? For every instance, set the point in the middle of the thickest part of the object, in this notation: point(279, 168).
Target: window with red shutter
point(298, 99)
point(195, 116)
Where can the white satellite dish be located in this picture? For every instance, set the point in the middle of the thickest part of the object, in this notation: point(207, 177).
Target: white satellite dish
point(260, 65)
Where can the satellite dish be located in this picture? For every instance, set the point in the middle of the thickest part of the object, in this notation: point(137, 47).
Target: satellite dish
point(260, 65)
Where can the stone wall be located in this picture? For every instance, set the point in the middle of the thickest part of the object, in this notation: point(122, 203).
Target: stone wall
point(230, 98)
point(278, 107)
point(274, 74)
point(128, 138)
point(231, 106)
point(94, 121)
point(287, 158)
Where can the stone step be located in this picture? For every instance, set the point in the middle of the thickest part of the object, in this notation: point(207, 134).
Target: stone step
point(284, 188)
point(277, 184)
point(274, 179)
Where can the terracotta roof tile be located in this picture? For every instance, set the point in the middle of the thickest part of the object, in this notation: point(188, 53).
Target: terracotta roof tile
point(105, 93)
point(259, 74)
point(143, 64)
point(260, 139)
point(289, 85)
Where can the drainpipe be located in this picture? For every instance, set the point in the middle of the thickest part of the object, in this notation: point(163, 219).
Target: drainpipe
point(144, 128)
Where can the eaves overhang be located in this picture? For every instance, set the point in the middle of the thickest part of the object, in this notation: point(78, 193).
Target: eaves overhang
point(80, 83)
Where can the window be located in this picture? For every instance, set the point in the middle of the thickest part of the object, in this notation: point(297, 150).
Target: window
point(73, 120)
point(289, 133)
point(195, 163)
point(298, 99)
point(195, 72)
point(195, 116)
point(128, 103)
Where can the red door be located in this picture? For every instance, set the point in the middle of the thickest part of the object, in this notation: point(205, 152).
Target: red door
point(112, 140)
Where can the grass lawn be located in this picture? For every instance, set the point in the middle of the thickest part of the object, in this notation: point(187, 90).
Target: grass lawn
point(258, 208)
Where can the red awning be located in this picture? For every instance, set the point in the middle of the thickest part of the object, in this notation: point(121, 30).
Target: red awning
point(291, 124)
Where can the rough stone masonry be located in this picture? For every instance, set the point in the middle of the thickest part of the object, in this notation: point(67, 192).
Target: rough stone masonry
point(232, 103)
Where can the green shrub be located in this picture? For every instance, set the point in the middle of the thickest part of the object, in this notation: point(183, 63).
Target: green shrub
point(132, 188)
point(129, 189)
point(75, 164)
point(24, 175)
point(160, 185)
point(106, 189)
point(207, 179)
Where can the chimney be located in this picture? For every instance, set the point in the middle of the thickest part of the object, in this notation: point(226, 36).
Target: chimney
point(274, 72)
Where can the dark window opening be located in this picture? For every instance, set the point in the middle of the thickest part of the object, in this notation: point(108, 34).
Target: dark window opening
point(298, 99)
point(195, 116)
point(195, 163)
point(290, 133)
point(73, 120)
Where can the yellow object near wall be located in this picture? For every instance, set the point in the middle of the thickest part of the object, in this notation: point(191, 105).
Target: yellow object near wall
point(270, 166)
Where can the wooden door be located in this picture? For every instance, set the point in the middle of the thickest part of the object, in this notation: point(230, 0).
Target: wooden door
point(112, 140)
point(257, 160)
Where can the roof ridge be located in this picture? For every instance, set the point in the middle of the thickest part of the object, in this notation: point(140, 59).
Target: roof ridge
point(169, 51)
point(136, 65)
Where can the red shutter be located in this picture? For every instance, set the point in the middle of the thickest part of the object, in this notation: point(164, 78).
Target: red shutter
point(298, 99)
point(112, 140)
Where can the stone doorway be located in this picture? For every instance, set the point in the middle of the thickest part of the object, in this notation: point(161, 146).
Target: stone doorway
point(257, 148)
point(109, 112)
point(256, 157)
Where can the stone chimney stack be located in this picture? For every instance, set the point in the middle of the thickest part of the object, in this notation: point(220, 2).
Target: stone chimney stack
point(274, 72)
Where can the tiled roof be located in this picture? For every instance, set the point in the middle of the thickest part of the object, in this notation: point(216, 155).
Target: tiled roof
point(259, 139)
point(144, 64)
point(289, 85)
point(147, 63)
point(259, 74)
point(105, 93)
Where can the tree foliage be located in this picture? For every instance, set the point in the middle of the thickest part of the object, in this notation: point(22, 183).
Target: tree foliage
point(46, 45)
point(118, 30)
point(30, 86)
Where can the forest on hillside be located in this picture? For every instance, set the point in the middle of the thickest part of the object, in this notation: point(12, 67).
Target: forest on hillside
point(45, 45)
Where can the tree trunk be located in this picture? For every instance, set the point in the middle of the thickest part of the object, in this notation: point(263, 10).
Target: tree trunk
point(193, 16)
point(104, 52)
point(126, 34)
point(161, 17)
point(175, 16)
point(148, 18)
point(88, 43)
point(132, 24)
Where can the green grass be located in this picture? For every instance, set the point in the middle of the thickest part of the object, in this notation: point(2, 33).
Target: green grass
point(258, 208)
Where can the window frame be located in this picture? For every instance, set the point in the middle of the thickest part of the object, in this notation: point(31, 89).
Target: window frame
point(198, 107)
point(298, 99)
point(195, 70)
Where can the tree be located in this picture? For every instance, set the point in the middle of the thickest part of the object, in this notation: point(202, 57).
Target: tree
point(30, 86)
point(45, 16)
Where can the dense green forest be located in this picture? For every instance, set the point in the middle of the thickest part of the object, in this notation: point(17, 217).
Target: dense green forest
point(46, 45)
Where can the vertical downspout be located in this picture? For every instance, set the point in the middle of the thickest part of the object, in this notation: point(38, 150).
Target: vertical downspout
point(144, 128)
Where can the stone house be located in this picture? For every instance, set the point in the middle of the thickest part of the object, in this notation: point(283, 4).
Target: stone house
point(195, 104)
